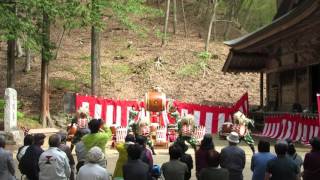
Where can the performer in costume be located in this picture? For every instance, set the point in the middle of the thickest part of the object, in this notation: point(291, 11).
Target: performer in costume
point(141, 127)
point(185, 129)
point(78, 124)
point(241, 125)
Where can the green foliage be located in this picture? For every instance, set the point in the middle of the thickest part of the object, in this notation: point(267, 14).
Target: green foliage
point(189, 70)
point(204, 55)
point(258, 14)
point(64, 84)
point(123, 9)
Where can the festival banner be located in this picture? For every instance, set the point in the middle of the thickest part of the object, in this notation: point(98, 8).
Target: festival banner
point(294, 126)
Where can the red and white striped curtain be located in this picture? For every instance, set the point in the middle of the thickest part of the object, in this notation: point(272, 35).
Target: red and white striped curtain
point(295, 127)
point(116, 112)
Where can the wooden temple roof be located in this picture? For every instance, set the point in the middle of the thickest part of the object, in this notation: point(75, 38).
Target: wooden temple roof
point(250, 53)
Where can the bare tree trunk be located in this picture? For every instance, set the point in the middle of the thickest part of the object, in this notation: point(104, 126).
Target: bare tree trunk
point(19, 50)
point(11, 63)
point(213, 20)
point(95, 56)
point(46, 56)
point(27, 65)
point(230, 18)
point(184, 18)
point(164, 38)
point(95, 61)
point(11, 59)
point(174, 16)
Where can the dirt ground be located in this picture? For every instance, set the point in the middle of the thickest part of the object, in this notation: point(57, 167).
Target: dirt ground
point(128, 73)
point(163, 156)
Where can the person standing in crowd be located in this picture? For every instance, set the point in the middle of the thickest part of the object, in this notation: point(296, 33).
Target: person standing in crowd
point(54, 163)
point(81, 152)
point(293, 154)
point(123, 155)
point(27, 141)
point(28, 164)
point(174, 169)
point(135, 169)
point(7, 171)
point(185, 158)
point(92, 170)
point(311, 164)
point(202, 153)
point(259, 160)
point(233, 157)
point(146, 155)
point(81, 121)
point(99, 136)
point(281, 167)
point(213, 171)
point(66, 149)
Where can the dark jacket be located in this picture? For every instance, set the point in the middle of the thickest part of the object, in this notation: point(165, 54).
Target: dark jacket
point(29, 162)
point(186, 158)
point(136, 170)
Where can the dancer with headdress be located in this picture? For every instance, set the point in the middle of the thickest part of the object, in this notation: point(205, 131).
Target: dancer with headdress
point(242, 126)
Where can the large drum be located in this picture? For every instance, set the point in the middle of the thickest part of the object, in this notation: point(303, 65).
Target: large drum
point(155, 101)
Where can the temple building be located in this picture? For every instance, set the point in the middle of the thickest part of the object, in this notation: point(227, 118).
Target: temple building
point(286, 53)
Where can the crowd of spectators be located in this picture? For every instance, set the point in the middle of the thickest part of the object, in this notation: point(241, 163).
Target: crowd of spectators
point(135, 161)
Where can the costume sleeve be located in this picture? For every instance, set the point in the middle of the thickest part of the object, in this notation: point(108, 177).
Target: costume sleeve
point(107, 132)
point(10, 164)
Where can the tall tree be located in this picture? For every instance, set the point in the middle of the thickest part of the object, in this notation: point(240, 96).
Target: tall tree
point(164, 38)
point(95, 53)
point(46, 56)
point(212, 21)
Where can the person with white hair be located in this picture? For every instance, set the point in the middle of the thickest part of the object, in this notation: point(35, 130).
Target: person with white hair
point(92, 170)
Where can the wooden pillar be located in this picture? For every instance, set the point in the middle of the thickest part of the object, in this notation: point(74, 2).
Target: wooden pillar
point(261, 90)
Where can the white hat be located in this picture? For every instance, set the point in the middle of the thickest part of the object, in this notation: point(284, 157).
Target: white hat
point(95, 154)
point(233, 137)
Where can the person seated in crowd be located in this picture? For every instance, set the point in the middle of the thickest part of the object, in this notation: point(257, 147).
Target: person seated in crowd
point(185, 158)
point(293, 154)
point(135, 169)
point(146, 155)
point(92, 170)
point(233, 157)
point(99, 136)
point(54, 163)
point(311, 164)
point(259, 160)
point(66, 149)
point(123, 155)
point(81, 152)
point(27, 141)
point(213, 171)
point(281, 167)
point(174, 169)
point(28, 164)
point(202, 153)
point(7, 171)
